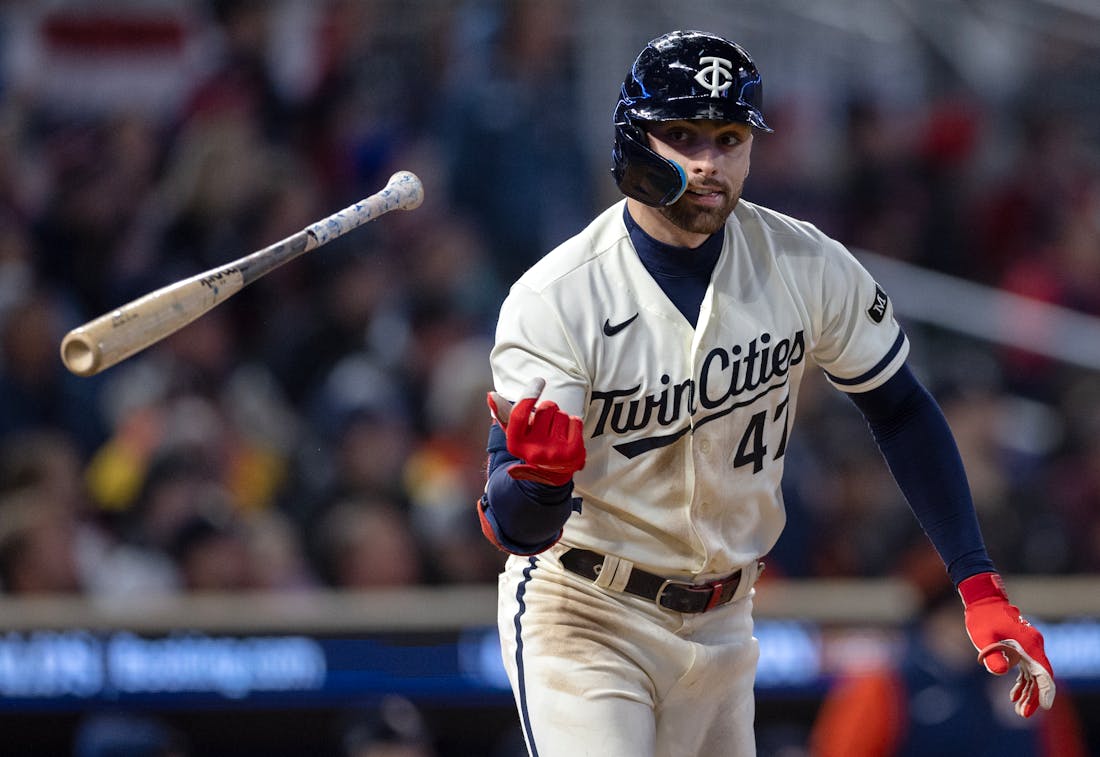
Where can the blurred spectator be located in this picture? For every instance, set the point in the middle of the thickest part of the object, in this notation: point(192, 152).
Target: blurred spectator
point(49, 537)
point(212, 553)
point(1070, 482)
point(792, 173)
point(393, 728)
point(214, 186)
point(509, 124)
point(171, 461)
point(359, 113)
point(364, 543)
point(215, 433)
point(1064, 271)
point(364, 417)
point(882, 205)
point(844, 500)
point(17, 270)
point(99, 183)
point(1019, 211)
point(450, 260)
point(185, 532)
point(127, 735)
point(37, 545)
point(946, 150)
point(277, 555)
point(47, 460)
point(241, 81)
point(36, 392)
point(353, 308)
point(445, 472)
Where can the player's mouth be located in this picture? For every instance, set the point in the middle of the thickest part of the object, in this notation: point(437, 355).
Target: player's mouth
point(708, 196)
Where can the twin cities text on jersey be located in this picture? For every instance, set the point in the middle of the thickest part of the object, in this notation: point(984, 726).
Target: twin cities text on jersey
point(726, 377)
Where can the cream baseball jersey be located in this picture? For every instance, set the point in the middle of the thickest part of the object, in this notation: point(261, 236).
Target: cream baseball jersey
point(686, 425)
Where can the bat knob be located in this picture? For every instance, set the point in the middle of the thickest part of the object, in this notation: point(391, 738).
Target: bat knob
point(409, 186)
point(78, 354)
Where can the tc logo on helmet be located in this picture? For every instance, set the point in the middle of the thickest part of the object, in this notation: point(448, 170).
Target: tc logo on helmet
point(716, 74)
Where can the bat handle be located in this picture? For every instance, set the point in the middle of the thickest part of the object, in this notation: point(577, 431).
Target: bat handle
point(404, 191)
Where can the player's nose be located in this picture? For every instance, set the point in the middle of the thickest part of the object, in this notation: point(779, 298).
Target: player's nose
point(704, 160)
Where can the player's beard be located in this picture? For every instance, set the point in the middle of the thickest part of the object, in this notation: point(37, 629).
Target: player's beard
point(689, 216)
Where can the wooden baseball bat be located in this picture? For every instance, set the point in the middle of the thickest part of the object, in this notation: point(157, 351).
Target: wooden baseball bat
point(115, 336)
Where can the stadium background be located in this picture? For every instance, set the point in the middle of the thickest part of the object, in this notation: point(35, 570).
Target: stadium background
point(254, 532)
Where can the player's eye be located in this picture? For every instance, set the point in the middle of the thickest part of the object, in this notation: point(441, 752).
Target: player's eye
point(731, 139)
point(676, 135)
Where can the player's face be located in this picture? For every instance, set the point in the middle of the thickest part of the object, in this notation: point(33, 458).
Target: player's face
point(715, 157)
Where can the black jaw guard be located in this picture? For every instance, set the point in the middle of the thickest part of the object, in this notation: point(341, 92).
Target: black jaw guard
point(641, 173)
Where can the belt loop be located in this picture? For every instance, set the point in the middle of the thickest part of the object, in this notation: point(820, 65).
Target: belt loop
point(614, 573)
point(716, 593)
point(605, 571)
point(749, 574)
point(622, 575)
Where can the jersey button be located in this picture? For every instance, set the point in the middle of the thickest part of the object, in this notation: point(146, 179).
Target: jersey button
point(704, 446)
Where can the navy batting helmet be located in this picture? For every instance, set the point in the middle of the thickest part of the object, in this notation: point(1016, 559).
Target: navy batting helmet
point(680, 75)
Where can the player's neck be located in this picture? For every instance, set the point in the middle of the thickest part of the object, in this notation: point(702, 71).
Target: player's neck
point(653, 223)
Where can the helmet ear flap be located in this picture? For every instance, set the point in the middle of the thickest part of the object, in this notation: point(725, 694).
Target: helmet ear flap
point(640, 172)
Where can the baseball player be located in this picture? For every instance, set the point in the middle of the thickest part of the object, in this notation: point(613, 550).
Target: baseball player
point(646, 377)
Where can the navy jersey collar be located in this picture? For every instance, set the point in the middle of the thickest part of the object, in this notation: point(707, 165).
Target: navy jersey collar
point(670, 260)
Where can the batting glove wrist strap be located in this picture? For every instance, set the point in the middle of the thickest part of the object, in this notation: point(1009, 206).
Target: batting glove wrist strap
point(1005, 639)
point(982, 586)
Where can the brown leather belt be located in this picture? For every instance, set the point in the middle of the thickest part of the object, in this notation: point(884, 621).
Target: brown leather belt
point(674, 595)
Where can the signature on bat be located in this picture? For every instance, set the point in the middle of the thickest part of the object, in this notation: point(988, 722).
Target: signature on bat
point(214, 280)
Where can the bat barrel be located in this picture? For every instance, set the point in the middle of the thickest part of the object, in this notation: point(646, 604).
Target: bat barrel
point(79, 353)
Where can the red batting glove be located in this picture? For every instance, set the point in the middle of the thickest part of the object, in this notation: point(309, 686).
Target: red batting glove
point(1004, 639)
point(548, 441)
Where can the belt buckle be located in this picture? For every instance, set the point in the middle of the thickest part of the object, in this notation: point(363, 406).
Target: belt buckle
point(719, 592)
point(661, 592)
point(690, 589)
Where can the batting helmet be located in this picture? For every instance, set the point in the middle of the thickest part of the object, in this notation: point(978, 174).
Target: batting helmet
point(680, 75)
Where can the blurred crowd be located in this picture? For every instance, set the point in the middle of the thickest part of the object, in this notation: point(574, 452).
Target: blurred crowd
point(326, 427)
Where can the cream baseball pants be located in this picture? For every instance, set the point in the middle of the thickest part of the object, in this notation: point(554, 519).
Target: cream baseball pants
point(601, 673)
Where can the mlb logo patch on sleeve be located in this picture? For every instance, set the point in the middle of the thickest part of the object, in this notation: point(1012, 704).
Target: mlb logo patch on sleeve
point(877, 311)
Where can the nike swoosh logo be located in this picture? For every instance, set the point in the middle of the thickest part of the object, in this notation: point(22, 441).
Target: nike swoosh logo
point(610, 330)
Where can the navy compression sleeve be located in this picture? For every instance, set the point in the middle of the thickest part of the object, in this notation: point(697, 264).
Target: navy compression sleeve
point(920, 450)
point(526, 516)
